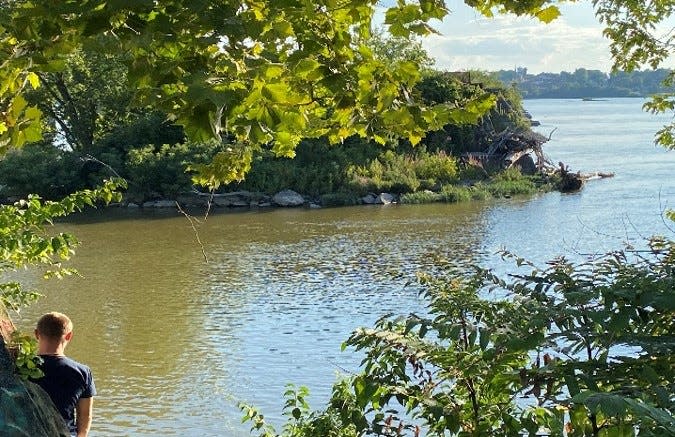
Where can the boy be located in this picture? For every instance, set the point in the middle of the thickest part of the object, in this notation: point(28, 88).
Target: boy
point(69, 384)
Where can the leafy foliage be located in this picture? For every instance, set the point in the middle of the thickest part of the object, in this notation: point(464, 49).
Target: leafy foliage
point(40, 168)
point(640, 34)
point(27, 359)
point(86, 100)
point(162, 171)
point(263, 72)
point(578, 349)
point(26, 241)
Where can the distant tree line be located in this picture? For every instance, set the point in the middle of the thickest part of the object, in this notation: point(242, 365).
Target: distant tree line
point(583, 83)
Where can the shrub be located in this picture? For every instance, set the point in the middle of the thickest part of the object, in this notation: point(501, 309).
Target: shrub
point(161, 171)
point(389, 172)
point(581, 349)
point(420, 197)
point(456, 193)
point(339, 199)
point(317, 168)
point(41, 169)
point(511, 182)
point(437, 167)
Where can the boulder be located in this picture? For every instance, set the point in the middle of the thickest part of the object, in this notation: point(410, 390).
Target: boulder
point(288, 198)
point(192, 200)
point(385, 199)
point(369, 199)
point(160, 204)
point(526, 165)
point(25, 409)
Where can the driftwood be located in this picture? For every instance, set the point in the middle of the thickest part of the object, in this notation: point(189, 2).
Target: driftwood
point(596, 175)
point(506, 148)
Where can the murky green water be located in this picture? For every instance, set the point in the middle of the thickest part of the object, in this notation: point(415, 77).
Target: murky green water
point(175, 341)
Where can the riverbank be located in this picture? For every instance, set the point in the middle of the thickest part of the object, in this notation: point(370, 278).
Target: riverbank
point(502, 185)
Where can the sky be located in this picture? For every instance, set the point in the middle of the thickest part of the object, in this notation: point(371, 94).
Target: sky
point(468, 40)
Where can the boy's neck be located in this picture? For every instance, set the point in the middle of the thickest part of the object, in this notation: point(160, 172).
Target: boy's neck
point(51, 348)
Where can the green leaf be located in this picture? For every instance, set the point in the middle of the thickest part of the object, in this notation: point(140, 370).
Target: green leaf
point(276, 92)
point(305, 67)
point(33, 79)
point(548, 14)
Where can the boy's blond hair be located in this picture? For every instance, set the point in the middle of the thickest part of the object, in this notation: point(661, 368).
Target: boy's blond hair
point(54, 325)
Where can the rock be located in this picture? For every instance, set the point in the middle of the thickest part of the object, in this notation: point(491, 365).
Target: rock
point(132, 205)
point(160, 204)
point(25, 409)
point(221, 202)
point(570, 182)
point(369, 199)
point(526, 165)
point(385, 199)
point(288, 198)
point(192, 200)
point(314, 206)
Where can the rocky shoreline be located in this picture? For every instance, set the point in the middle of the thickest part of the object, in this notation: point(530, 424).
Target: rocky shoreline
point(251, 200)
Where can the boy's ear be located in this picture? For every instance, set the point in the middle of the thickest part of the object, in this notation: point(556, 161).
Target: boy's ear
point(37, 334)
point(68, 336)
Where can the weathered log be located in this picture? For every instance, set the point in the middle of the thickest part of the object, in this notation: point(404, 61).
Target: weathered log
point(596, 175)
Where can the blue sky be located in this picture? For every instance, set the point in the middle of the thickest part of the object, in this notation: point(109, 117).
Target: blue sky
point(468, 40)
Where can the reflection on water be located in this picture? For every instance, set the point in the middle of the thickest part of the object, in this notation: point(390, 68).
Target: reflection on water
point(175, 342)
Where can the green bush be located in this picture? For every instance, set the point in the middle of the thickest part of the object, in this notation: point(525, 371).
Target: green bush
point(390, 172)
point(405, 172)
point(41, 169)
point(420, 197)
point(448, 194)
point(456, 193)
point(161, 171)
point(438, 167)
point(340, 199)
point(511, 182)
point(577, 349)
point(317, 168)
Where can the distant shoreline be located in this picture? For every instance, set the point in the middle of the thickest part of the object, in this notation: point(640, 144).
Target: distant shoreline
point(586, 84)
point(588, 99)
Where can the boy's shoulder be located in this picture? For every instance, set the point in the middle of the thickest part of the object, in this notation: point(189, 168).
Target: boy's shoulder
point(62, 361)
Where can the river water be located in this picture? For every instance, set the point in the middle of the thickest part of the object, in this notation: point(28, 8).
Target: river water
point(175, 341)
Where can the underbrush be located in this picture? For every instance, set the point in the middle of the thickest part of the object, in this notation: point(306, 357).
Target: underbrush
point(505, 184)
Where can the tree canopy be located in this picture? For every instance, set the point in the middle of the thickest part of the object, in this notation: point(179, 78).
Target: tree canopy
point(266, 72)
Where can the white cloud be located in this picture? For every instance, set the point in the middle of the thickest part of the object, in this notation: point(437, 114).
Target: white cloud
point(468, 40)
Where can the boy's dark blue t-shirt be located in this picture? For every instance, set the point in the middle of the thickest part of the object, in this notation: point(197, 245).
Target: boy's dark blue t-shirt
point(66, 381)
